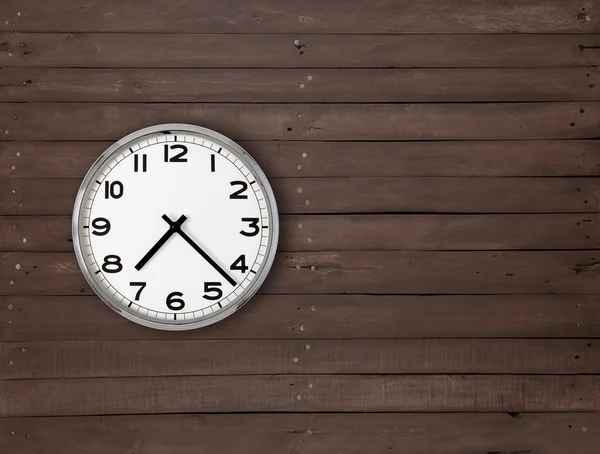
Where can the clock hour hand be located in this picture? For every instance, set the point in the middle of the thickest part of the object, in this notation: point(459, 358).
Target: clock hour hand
point(199, 250)
point(163, 239)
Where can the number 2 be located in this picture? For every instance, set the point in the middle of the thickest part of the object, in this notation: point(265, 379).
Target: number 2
point(239, 193)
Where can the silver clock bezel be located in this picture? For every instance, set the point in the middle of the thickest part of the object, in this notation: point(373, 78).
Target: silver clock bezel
point(261, 180)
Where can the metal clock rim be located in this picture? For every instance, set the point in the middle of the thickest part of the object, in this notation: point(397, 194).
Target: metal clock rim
point(261, 180)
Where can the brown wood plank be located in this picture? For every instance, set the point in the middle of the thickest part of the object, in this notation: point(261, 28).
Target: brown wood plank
point(329, 393)
point(262, 85)
point(364, 232)
point(343, 159)
point(319, 316)
point(277, 16)
point(296, 50)
point(359, 195)
point(81, 359)
point(378, 122)
point(307, 433)
point(382, 272)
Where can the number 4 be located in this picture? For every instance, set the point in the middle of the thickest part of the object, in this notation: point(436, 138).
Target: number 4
point(239, 264)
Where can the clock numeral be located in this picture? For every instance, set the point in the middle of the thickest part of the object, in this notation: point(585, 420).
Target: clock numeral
point(142, 286)
point(173, 303)
point(213, 287)
point(103, 226)
point(114, 189)
point(239, 264)
point(253, 224)
point(212, 162)
point(238, 194)
point(178, 157)
point(136, 162)
point(112, 264)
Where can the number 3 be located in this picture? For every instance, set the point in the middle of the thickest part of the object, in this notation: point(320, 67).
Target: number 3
point(253, 225)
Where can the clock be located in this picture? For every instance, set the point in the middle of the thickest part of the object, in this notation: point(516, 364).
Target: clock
point(175, 227)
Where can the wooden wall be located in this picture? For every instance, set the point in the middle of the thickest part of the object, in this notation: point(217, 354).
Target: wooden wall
point(437, 288)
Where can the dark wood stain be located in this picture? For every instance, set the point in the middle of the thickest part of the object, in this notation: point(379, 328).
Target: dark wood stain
point(437, 282)
point(311, 433)
point(24, 318)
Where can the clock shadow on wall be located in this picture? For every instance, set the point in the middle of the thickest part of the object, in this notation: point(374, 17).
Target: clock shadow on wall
point(175, 227)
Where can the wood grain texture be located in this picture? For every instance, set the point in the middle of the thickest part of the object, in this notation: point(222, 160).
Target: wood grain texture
point(343, 159)
point(363, 232)
point(307, 433)
point(277, 393)
point(319, 316)
point(108, 50)
point(88, 359)
point(268, 85)
point(359, 195)
point(276, 16)
point(377, 122)
point(382, 272)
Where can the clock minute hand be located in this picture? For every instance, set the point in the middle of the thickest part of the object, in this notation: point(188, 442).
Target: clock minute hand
point(199, 250)
point(163, 239)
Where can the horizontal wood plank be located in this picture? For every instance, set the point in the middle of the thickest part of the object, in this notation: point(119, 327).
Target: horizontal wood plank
point(343, 159)
point(262, 85)
point(377, 122)
point(277, 16)
point(319, 316)
point(328, 393)
point(363, 232)
point(384, 272)
point(146, 50)
point(26, 196)
point(88, 359)
point(307, 433)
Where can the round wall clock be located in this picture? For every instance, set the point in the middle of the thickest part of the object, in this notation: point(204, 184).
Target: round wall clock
point(175, 227)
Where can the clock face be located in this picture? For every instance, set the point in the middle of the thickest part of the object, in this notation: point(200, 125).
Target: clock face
point(175, 227)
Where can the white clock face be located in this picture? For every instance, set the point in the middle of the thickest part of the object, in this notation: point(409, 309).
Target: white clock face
point(175, 227)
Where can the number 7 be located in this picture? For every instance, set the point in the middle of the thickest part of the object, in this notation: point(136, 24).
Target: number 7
point(142, 286)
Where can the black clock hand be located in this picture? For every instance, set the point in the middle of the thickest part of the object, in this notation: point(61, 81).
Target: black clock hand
point(163, 239)
point(199, 250)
